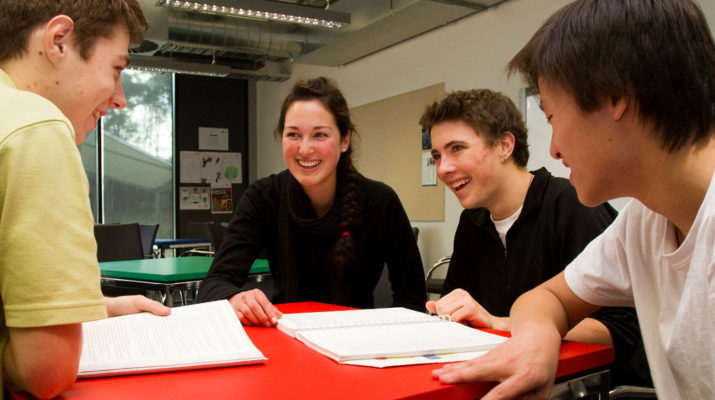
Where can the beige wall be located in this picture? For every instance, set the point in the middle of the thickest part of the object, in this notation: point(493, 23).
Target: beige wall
point(468, 54)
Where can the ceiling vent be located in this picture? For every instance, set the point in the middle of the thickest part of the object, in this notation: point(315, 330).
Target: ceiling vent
point(219, 38)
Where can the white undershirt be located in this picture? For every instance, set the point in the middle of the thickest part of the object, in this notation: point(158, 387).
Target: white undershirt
point(505, 224)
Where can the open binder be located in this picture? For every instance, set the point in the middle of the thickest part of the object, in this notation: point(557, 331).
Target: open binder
point(351, 335)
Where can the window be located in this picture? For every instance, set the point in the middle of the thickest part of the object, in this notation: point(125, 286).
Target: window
point(135, 182)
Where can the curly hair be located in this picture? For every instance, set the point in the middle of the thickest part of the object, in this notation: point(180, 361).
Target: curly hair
point(490, 114)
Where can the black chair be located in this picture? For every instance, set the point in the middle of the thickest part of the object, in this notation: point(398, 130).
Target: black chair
point(205, 230)
point(197, 230)
point(382, 294)
point(148, 235)
point(434, 285)
point(216, 229)
point(116, 242)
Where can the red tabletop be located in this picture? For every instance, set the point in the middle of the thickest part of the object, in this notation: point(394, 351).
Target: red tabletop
point(295, 371)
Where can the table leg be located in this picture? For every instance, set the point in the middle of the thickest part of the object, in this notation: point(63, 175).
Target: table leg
point(168, 299)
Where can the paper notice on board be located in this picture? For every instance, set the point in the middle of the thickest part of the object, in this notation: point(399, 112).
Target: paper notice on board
point(213, 139)
point(429, 170)
point(219, 169)
point(194, 198)
point(221, 200)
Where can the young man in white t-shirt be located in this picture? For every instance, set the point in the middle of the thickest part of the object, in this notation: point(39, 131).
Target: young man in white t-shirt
point(629, 89)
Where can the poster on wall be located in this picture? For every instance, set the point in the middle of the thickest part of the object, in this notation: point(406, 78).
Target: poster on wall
point(429, 167)
point(213, 138)
point(429, 170)
point(221, 201)
point(194, 198)
point(219, 169)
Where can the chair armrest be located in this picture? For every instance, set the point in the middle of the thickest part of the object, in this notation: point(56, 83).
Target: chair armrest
point(632, 392)
point(442, 261)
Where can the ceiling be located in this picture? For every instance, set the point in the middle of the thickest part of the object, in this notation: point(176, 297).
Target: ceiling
point(206, 43)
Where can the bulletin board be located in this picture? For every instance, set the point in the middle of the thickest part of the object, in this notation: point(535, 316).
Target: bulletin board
point(390, 150)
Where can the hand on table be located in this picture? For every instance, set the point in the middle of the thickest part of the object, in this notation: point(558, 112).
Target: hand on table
point(524, 367)
point(253, 308)
point(461, 307)
point(124, 305)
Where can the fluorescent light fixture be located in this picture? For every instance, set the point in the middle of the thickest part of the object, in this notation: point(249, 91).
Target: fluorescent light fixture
point(177, 70)
point(264, 10)
point(272, 71)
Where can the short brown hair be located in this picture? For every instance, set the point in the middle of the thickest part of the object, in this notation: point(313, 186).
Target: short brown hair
point(490, 114)
point(92, 19)
point(658, 54)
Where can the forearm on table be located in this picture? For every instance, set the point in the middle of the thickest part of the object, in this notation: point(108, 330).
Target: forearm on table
point(590, 330)
point(538, 308)
point(43, 361)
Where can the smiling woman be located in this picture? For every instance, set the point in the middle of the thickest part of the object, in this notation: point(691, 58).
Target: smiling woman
point(312, 145)
point(327, 230)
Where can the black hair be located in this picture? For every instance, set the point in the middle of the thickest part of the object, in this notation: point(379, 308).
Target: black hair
point(657, 54)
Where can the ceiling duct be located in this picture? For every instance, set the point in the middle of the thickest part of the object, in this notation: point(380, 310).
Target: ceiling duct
point(202, 41)
point(191, 42)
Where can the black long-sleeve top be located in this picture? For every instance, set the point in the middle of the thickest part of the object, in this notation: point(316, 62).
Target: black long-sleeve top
point(551, 230)
point(276, 215)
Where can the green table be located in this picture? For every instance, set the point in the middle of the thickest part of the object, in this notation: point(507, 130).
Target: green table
point(168, 275)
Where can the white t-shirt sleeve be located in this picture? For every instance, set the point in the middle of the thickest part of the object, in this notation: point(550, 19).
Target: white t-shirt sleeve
point(600, 275)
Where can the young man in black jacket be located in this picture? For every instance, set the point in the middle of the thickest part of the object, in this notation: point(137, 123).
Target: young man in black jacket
point(519, 228)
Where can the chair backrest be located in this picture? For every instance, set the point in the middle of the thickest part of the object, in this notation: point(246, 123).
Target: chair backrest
point(216, 229)
point(197, 230)
point(206, 230)
point(148, 235)
point(116, 242)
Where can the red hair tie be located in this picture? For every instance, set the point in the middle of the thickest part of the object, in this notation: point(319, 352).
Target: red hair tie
point(346, 233)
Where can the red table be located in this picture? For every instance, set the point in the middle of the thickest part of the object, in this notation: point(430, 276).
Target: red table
point(295, 371)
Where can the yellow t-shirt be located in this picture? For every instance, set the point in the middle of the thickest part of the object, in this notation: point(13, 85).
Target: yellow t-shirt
point(48, 264)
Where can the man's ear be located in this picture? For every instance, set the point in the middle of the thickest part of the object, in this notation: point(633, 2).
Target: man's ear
point(57, 38)
point(619, 106)
point(506, 144)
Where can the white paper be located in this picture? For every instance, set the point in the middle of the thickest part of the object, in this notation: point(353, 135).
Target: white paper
point(414, 360)
point(215, 168)
point(213, 139)
point(398, 340)
point(194, 198)
point(429, 170)
point(196, 335)
point(291, 323)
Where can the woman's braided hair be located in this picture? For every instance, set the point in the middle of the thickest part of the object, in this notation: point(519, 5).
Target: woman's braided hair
point(347, 192)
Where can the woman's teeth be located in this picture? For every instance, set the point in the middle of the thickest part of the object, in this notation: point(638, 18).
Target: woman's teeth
point(308, 164)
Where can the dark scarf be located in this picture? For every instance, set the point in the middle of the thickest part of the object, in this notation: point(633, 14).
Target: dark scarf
point(295, 212)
